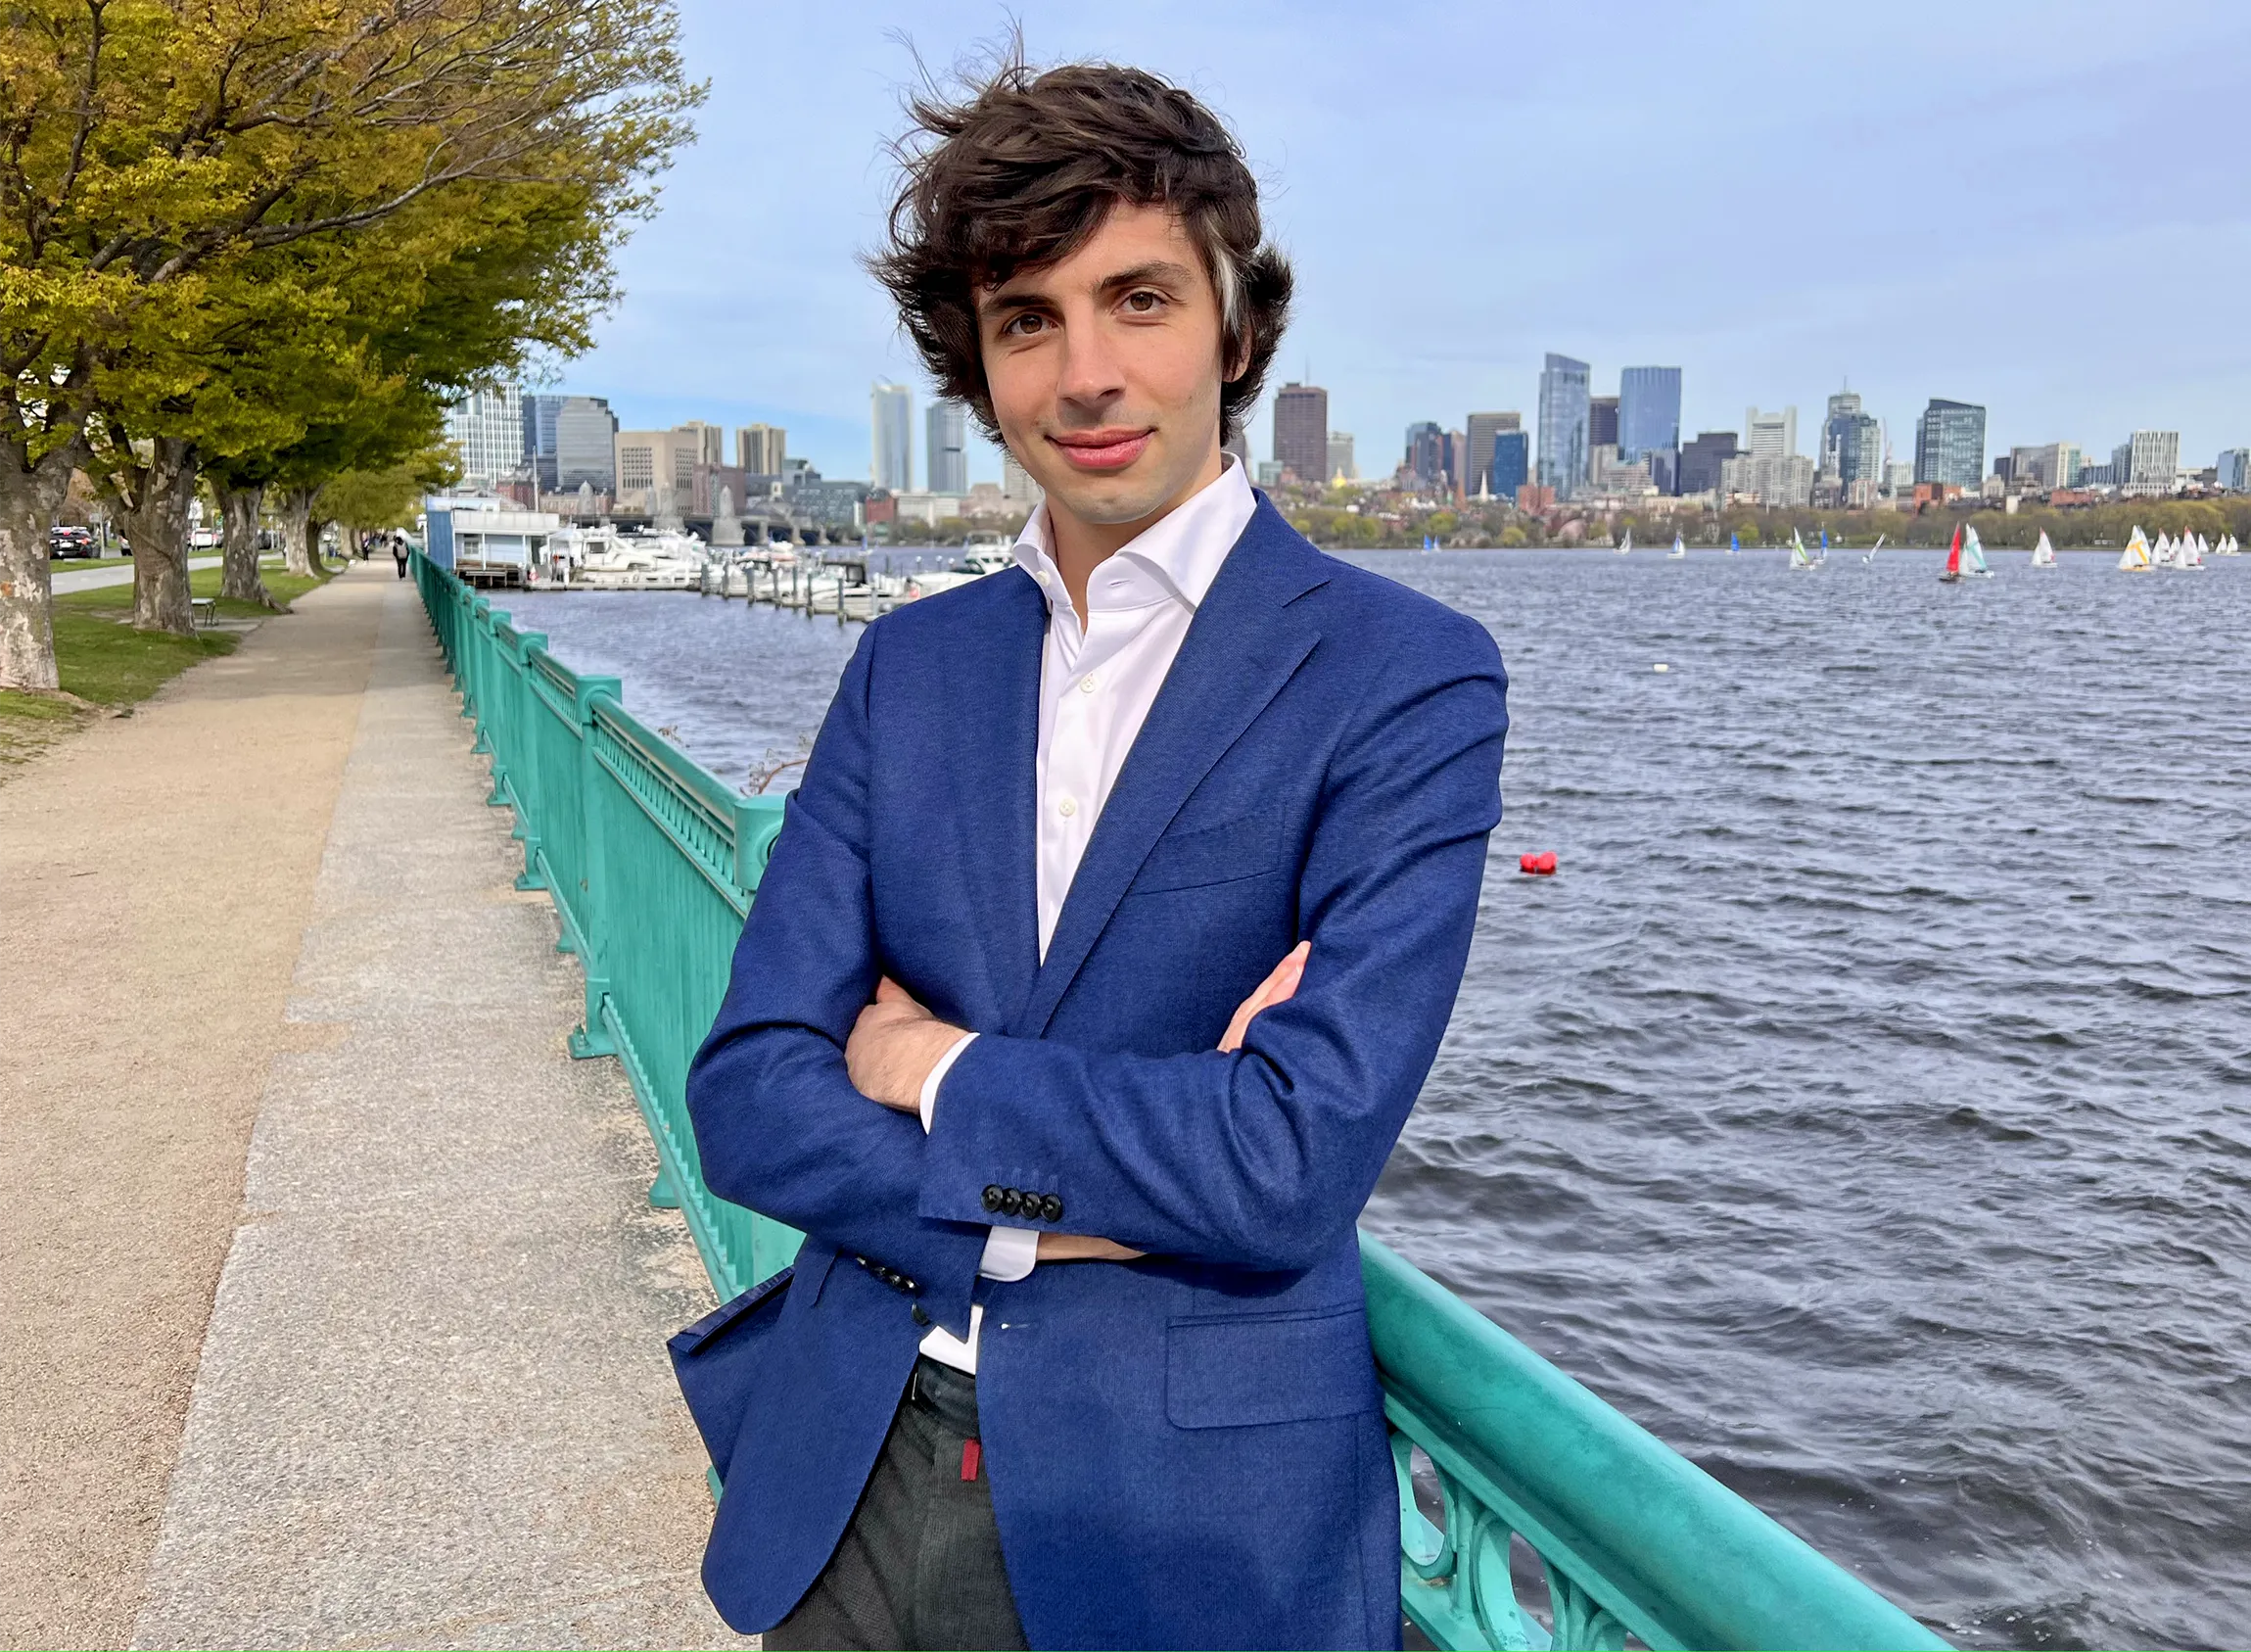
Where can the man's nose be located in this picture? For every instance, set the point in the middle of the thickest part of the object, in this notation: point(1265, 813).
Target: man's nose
point(1092, 373)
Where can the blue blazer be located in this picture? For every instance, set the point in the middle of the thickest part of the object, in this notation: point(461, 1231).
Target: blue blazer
point(1187, 1451)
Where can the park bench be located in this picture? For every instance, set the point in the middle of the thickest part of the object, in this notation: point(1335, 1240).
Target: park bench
point(207, 609)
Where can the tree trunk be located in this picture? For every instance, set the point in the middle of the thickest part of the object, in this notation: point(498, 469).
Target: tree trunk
point(240, 577)
point(315, 529)
point(29, 496)
point(158, 526)
point(296, 510)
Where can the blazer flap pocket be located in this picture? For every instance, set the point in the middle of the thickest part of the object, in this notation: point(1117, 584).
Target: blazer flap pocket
point(1238, 1372)
point(712, 1359)
point(1242, 847)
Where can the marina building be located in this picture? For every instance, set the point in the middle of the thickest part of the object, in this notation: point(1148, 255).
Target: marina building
point(892, 406)
point(1950, 444)
point(946, 448)
point(1564, 414)
point(1301, 431)
point(486, 431)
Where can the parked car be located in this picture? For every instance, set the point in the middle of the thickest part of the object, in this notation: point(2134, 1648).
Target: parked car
point(65, 540)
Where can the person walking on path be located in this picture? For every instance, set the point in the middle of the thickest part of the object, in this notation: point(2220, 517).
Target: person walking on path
point(1101, 956)
point(399, 552)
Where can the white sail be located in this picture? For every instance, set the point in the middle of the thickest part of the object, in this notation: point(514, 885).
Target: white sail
point(2043, 553)
point(2192, 553)
point(1800, 556)
point(1625, 545)
point(2135, 558)
point(1678, 551)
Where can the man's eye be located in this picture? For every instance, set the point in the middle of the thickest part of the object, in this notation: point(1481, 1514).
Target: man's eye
point(1024, 325)
point(1142, 302)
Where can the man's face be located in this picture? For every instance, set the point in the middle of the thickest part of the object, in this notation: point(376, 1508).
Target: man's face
point(1105, 369)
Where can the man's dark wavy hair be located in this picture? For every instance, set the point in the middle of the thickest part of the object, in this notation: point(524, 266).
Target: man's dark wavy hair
point(1019, 171)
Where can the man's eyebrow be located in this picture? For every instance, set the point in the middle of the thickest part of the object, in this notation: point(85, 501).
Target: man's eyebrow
point(1162, 272)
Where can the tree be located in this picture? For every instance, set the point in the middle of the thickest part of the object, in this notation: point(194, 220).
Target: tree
point(153, 147)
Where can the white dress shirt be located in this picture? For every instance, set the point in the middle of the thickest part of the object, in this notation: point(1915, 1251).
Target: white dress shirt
point(1096, 684)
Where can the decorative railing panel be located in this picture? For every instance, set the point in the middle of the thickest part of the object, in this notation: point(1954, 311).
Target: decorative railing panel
point(653, 862)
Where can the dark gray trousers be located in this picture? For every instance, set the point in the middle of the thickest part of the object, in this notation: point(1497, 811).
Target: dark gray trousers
point(919, 1565)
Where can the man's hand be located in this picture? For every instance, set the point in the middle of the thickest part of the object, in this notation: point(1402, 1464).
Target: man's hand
point(1276, 988)
point(894, 1045)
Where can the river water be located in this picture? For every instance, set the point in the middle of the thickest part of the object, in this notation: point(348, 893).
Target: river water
point(1866, 1105)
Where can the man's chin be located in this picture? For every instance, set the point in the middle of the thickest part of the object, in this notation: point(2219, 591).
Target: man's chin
point(1111, 502)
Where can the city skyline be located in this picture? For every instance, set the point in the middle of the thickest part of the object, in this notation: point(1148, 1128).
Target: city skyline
point(1935, 215)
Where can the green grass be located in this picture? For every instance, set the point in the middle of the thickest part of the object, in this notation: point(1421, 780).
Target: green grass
point(105, 661)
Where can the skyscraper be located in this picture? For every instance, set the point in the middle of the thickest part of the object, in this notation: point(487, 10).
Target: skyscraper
point(1509, 466)
point(761, 449)
point(539, 414)
point(1649, 421)
point(585, 445)
point(1700, 459)
point(1483, 428)
point(1426, 460)
point(2152, 457)
point(1301, 431)
point(1341, 460)
point(892, 406)
point(1601, 422)
point(1950, 444)
point(1769, 436)
point(2235, 469)
point(948, 454)
point(1564, 409)
point(485, 428)
point(1852, 442)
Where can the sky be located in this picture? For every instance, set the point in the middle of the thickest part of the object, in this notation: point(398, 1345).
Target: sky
point(2040, 206)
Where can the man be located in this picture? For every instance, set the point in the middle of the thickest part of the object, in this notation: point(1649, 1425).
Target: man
point(1099, 963)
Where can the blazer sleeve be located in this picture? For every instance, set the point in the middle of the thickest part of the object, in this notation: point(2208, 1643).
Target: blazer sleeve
point(1263, 1158)
point(778, 1126)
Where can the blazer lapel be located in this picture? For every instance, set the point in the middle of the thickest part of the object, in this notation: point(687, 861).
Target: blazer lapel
point(994, 701)
point(1239, 649)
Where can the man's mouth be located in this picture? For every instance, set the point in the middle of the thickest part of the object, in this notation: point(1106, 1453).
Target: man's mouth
point(1103, 449)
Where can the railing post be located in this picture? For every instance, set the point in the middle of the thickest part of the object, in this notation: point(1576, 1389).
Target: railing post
point(480, 667)
point(756, 821)
point(593, 905)
point(527, 762)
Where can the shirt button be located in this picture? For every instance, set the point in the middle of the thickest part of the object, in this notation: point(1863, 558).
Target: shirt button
point(1087, 684)
point(1068, 806)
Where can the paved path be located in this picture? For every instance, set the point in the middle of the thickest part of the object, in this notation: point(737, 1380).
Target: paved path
point(431, 1406)
point(93, 579)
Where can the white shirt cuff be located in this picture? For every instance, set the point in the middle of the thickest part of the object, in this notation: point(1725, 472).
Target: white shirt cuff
point(1011, 1252)
point(929, 1097)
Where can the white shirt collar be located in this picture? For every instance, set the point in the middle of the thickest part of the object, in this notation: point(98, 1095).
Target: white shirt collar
point(1176, 557)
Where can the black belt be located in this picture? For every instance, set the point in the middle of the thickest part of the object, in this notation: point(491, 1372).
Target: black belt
point(948, 1394)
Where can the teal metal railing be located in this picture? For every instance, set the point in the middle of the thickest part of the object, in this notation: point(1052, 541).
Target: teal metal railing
point(652, 864)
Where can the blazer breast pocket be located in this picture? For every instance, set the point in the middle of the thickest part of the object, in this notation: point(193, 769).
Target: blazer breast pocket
point(1247, 846)
point(1238, 1372)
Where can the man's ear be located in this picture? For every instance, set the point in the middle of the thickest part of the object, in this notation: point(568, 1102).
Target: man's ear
point(1233, 359)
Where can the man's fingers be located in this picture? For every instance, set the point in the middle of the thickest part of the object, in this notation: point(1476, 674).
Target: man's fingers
point(1279, 984)
point(889, 991)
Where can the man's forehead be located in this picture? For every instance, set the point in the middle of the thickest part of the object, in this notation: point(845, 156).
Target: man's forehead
point(1148, 240)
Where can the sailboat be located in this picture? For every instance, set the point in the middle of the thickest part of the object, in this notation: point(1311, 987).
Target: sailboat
point(2189, 556)
point(2229, 546)
point(1974, 558)
point(1872, 549)
point(1953, 570)
point(2135, 558)
point(1734, 544)
point(1800, 556)
point(1625, 545)
point(2161, 554)
point(2043, 553)
point(1679, 549)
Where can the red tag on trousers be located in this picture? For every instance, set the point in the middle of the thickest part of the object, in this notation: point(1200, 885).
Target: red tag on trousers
point(971, 1457)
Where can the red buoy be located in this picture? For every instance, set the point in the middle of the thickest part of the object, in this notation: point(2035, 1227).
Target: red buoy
point(1537, 865)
